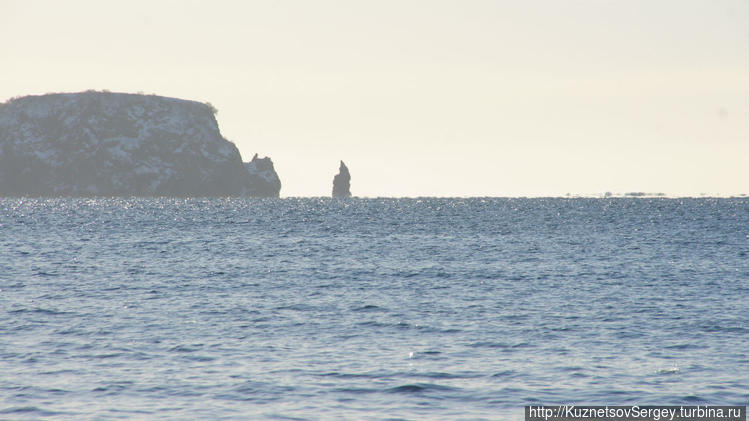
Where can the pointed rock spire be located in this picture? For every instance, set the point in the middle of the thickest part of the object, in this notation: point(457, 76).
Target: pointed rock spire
point(342, 182)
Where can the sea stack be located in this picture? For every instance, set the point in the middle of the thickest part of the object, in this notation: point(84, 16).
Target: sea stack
point(264, 181)
point(342, 182)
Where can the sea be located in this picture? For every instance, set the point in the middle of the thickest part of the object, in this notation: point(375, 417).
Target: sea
point(369, 309)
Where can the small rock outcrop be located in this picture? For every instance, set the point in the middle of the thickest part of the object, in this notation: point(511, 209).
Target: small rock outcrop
point(264, 181)
point(342, 182)
point(115, 144)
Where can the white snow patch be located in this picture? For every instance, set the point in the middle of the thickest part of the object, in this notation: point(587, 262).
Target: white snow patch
point(144, 169)
point(46, 156)
point(69, 120)
point(118, 153)
point(225, 150)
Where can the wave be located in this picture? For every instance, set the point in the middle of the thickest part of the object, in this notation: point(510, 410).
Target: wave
point(369, 308)
point(30, 411)
point(405, 389)
point(420, 388)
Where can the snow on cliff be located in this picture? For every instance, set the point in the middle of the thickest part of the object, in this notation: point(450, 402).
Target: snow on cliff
point(113, 144)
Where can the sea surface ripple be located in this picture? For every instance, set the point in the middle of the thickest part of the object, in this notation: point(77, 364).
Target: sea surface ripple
point(233, 309)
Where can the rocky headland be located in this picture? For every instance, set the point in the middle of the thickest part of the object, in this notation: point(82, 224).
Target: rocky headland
point(115, 144)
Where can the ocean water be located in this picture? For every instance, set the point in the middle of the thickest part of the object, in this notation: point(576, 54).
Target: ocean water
point(369, 308)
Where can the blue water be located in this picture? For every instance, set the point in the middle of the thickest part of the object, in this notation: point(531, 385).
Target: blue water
point(369, 308)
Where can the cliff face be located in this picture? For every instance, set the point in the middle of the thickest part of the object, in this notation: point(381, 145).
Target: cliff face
point(342, 182)
point(111, 144)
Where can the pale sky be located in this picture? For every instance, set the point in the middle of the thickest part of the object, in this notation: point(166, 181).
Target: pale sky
point(425, 98)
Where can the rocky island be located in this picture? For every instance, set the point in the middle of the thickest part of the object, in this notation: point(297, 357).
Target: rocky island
point(264, 181)
point(342, 182)
point(115, 144)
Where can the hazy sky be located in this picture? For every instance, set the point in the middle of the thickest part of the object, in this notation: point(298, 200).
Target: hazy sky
point(425, 98)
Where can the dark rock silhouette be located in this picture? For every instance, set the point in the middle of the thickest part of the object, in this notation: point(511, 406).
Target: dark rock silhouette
point(114, 144)
point(264, 181)
point(342, 182)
